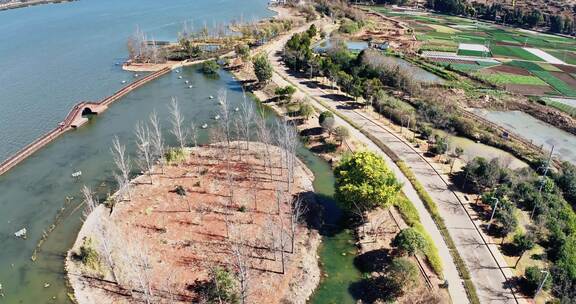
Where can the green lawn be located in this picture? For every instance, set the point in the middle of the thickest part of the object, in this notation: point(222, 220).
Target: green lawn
point(504, 78)
point(556, 83)
point(513, 52)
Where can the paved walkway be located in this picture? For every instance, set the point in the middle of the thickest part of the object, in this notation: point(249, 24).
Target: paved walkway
point(482, 260)
point(456, 288)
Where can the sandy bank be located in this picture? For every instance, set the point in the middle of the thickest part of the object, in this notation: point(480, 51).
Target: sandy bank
point(181, 237)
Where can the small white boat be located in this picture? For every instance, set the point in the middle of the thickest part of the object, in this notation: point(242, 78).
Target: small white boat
point(177, 71)
point(237, 109)
point(179, 77)
point(124, 81)
point(190, 86)
point(211, 97)
point(187, 81)
point(217, 117)
point(136, 75)
point(22, 233)
point(77, 174)
point(204, 126)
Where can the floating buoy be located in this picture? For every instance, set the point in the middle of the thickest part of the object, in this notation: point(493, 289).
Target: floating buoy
point(179, 77)
point(204, 126)
point(217, 117)
point(211, 97)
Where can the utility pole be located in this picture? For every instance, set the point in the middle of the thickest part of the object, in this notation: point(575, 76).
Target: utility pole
point(543, 179)
point(493, 212)
point(541, 283)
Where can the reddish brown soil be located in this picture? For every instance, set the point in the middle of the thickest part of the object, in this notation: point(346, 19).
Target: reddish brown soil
point(566, 68)
point(527, 89)
point(507, 43)
point(567, 78)
point(184, 236)
point(507, 69)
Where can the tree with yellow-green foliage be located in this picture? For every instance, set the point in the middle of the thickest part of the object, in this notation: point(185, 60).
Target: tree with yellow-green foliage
point(364, 181)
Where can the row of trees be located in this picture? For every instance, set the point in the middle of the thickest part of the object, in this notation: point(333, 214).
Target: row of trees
point(554, 221)
point(141, 50)
point(520, 17)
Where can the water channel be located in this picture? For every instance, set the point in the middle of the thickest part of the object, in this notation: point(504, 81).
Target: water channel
point(539, 132)
point(40, 190)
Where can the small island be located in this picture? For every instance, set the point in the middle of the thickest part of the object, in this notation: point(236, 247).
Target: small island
point(12, 4)
point(222, 223)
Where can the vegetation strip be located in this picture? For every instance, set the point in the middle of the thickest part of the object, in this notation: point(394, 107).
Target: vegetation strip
point(429, 203)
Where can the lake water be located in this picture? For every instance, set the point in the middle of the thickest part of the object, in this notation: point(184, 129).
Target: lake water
point(51, 57)
point(539, 132)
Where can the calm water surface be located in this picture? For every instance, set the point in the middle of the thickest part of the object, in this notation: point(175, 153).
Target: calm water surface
point(53, 56)
point(539, 132)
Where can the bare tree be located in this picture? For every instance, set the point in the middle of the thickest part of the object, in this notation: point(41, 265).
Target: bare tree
point(225, 115)
point(108, 244)
point(157, 141)
point(177, 121)
point(89, 200)
point(247, 118)
point(289, 143)
point(265, 137)
point(137, 256)
point(122, 162)
point(194, 134)
point(241, 264)
point(144, 149)
point(299, 209)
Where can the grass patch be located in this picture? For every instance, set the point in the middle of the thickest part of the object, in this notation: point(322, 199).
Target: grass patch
point(411, 217)
point(439, 48)
point(462, 52)
point(513, 52)
point(548, 67)
point(556, 83)
point(505, 78)
point(443, 29)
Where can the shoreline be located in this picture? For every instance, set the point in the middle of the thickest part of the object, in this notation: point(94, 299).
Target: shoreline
point(297, 285)
point(17, 5)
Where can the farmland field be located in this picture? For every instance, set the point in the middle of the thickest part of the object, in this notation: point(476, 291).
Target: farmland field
point(555, 82)
point(505, 78)
point(527, 62)
point(515, 52)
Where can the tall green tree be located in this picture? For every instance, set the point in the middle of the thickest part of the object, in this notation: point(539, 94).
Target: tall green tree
point(364, 181)
point(262, 68)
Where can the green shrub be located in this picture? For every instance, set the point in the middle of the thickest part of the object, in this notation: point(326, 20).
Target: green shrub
point(210, 67)
point(175, 155)
point(89, 256)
